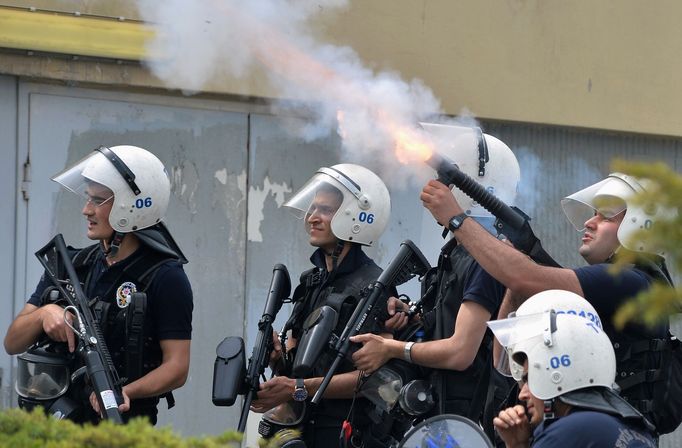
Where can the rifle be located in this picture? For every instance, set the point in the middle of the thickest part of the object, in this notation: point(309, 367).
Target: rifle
point(408, 262)
point(280, 287)
point(91, 345)
point(510, 221)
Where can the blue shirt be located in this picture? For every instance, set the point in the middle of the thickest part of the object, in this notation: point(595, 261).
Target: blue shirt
point(589, 429)
point(607, 292)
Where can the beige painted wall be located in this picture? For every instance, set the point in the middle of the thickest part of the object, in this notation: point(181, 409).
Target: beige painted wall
point(611, 65)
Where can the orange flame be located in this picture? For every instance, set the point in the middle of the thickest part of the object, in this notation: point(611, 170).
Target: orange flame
point(412, 145)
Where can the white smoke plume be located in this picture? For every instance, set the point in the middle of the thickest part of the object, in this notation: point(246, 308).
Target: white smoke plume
point(204, 39)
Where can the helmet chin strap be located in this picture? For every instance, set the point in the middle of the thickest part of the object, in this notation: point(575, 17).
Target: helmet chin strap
point(549, 413)
point(114, 244)
point(336, 253)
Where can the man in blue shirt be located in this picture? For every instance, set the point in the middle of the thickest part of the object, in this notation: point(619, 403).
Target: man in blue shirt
point(566, 384)
point(610, 221)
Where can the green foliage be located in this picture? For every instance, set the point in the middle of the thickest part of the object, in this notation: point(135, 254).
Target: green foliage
point(19, 429)
point(663, 190)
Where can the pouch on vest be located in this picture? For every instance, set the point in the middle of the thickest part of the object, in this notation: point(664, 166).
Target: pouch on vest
point(317, 331)
point(134, 328)
point(667, 403)
point(663, 405)
point(229, 371)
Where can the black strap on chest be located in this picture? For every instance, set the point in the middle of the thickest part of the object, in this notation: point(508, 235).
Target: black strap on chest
point(453, 265)
point(142, 271)
point(309, 294)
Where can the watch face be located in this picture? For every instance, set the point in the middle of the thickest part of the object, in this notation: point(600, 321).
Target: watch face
point(456, 222)
point(300, 394)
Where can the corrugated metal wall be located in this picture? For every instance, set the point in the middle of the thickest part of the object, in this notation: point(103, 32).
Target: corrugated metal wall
point(232, 166)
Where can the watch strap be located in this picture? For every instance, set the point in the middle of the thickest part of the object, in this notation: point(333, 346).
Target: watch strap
point(407, 351)
point(457, 221)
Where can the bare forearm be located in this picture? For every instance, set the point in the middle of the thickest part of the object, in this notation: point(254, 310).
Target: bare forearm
point(24, 331)
point(341, 385)
point(440, 354)
point(163, 379)
point(513, 268)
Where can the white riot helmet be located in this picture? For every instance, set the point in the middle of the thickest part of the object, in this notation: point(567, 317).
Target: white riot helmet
point(561, 302)
point(483, 157)
point(564, 352)
point(137, 178)
point(365, 205)
point(610, 197)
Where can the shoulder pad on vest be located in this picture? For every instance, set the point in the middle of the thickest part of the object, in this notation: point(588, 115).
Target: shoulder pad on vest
point(83, 257)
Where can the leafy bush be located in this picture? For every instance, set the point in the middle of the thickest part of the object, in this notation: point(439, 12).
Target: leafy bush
point(664, 190)
point(19, 429)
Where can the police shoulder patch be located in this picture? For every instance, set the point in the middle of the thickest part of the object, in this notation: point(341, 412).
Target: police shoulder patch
point(124, 294)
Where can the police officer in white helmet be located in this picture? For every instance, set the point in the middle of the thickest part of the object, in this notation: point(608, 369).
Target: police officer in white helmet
point(566, 379)
point(343, 207)
point(134, 269)
point(458, 295)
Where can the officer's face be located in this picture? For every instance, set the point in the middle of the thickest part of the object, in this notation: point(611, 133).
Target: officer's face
point(534, 406)
point(96, 210)
point(318, 220)
point(600, 239)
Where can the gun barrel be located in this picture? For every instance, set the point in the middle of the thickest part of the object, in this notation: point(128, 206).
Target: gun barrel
point(448, 174)
point(92, 346)
point(280, 287)
point(105, 394)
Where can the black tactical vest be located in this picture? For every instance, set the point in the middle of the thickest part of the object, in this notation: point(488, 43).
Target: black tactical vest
point(639, 361)
point(127, 330)
point(459, 392)
point(342, 294)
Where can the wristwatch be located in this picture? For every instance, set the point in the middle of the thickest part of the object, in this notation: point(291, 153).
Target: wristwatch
point(456, 221)
point(300, 392)
point(407, 351)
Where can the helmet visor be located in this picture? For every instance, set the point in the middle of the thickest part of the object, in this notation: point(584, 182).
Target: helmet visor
point(514, 331)
point(76, 180)
point(41, 381)
point(606, 197)
point(319, 195)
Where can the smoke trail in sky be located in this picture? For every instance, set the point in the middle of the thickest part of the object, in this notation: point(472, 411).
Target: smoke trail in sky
point(203, 39)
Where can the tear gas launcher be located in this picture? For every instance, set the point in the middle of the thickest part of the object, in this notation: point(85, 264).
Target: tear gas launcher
point(510, 221)
point(408, 262)
point(230, 377)
point(91, 345)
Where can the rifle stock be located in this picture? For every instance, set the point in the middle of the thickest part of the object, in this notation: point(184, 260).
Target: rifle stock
point(510, 221)
point(408, 262)
point(91, 346)
point(280, 287)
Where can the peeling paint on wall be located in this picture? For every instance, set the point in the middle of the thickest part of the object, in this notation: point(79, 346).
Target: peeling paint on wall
point(221, 176)
point(185, 182)
point(257, 197)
